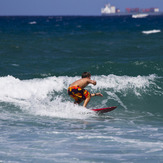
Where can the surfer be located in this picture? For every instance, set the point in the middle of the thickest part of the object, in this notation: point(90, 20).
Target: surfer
point(78, 93)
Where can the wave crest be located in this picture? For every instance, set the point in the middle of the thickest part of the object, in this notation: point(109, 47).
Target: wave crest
point(151, 31)
point(48, 96)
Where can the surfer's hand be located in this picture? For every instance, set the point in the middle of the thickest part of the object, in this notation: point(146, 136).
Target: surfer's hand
point(99, 94)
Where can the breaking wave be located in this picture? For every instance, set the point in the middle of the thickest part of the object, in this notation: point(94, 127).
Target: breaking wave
point(48, 96)
point(151, 31)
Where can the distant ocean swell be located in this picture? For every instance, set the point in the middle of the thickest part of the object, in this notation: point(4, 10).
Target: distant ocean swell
point(48, 96)
point(131, 68)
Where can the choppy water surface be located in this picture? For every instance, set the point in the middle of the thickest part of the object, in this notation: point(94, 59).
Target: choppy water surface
point(41, 56)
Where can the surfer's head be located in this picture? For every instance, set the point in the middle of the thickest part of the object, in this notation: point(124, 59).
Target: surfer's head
point(86, 75)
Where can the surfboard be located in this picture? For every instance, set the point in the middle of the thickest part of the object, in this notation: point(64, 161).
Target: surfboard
point(104, 110)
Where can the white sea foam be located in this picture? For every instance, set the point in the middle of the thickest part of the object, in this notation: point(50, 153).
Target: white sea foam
point(151, 31)
point(33, 22)
point(15, 65)
point(48, 96)
point(149, 146)
point(125, 83)
point(15, 88)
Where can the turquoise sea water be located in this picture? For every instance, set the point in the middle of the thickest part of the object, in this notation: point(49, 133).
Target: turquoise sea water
point(41, 56)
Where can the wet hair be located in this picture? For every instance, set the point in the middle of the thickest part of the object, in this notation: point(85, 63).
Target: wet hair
point(86, 74)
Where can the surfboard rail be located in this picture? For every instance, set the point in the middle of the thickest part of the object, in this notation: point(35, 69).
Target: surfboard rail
point(104, 110)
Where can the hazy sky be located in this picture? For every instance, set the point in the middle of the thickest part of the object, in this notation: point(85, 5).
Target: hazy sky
point(69, 7)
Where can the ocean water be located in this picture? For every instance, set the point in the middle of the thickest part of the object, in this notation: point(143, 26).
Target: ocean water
point(41, 56)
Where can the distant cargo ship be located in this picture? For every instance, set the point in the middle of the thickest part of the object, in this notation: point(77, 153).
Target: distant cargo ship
point(110, 10)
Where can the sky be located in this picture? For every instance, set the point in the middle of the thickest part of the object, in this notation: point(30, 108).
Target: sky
point(69, 7)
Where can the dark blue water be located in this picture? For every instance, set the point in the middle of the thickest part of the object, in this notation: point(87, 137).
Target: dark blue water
point(41, 56)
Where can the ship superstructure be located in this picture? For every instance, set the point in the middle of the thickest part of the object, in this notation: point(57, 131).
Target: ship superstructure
point(109, 9)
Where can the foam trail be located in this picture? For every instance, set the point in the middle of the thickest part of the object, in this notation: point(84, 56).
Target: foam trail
point(151, 31)
point(58, 108)
point(43, 97)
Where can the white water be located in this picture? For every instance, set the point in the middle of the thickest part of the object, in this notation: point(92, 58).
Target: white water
point(33, 22)
point(48, 96)
point(151, 31)
point(72, 132)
